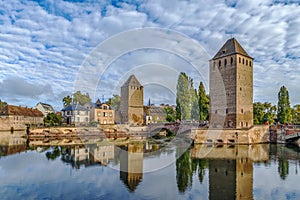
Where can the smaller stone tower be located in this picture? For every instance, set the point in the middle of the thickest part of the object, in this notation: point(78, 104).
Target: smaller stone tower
point(132, 100)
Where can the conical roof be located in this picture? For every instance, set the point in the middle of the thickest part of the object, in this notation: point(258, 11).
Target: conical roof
point(132, 81)
point(232, 46)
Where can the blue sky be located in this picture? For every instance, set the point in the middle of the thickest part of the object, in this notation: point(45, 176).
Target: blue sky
point(45, 45)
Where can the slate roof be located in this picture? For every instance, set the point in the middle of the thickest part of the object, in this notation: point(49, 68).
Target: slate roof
point(132, 81)
point(232, 46)
point(21, 111)
point(74, 107)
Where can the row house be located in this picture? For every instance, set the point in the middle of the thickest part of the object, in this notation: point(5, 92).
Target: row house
point(76, 114)
point(18, 118)
point(101, 113)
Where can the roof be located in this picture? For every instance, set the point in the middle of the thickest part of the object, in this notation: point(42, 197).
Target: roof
point(132, 81)
point(154, 111)
point(74, 107)
point(232, 46)
point(46, 106)
point(23, 111)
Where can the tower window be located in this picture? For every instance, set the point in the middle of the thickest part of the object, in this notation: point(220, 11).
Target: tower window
point(242, 124)
point(243, 61)
point(239, 59)
point(250, 63)
point(226, 110)
point(225, 62)
point(231, 60)
point(246, 62)
point(219, 63)
point(242, 111)
point(240, 89)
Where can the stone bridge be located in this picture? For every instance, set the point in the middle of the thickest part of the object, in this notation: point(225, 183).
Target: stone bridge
point(175, 127)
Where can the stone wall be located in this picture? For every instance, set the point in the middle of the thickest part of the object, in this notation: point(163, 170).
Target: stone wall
point(256, 134)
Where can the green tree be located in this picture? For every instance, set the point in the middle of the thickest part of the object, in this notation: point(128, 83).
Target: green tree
point(263, 112)
point(183, 95)
point(296, 114)
point(284, 113)
point(67, 101)
point(203, 103)
point(2, 104)
point(195, 106)
point(170, 114)
point(115, 102)
point(52, 119)
point(80, 98)
point(178, 110)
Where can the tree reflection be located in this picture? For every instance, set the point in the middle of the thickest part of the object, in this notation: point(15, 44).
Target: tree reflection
point(184, 171)
point(283, 168)
point(55, 153)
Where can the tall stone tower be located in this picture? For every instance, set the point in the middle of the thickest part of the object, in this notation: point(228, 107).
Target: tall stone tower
point(231, 87)
point(132, 100)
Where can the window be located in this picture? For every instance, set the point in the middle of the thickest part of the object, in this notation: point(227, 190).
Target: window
point(231, 60)
point(225, 62)
point(247, 62)
point(98, 113)
point(242, 124)
point(226, 110)
point(78, 119)
point(247, 124)
point(104, 114)
point(240, 89)
point(239, 59)
point(243, 61)
point(219, 63)
point(216, 112)
point(242, 111)
point(250, 63)
point(86, 119)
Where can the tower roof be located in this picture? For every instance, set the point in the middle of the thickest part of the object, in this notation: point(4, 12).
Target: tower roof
point(232, 46)
point(132, 81)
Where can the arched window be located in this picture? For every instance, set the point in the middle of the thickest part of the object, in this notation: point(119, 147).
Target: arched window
point(225, 62)
point(246, 62)
point(243, 61)
point(250, 63)
point(231, 60)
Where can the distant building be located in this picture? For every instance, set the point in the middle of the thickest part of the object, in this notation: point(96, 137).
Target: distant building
point(154, 114)
point(17, 117)
point(231, 87)
point(100, 112)
point(44, 108)
point(76, 114)
point(132, 100)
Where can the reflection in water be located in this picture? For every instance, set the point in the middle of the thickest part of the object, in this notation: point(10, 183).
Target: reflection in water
point(231, 169)
point(11, 144)
point(131, 165)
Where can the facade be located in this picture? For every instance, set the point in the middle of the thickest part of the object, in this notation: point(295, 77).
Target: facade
point(44, 108)
point(231, 87)
point(154, 114)
point(17, 117)
point(76, 115)
point(100, 112)
point(132, 99)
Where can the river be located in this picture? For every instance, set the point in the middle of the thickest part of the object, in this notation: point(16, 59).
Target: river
point(146, 170)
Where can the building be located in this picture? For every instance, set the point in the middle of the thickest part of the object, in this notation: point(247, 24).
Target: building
point(154, 114)
point(44, 108)
point(132, 99)
point(231, 87)
point(17, 117)
point(76, 114)
point(100, 112)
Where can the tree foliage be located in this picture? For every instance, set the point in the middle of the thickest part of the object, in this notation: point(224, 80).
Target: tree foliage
point(183, 96)
point(203, 103)
point(284, 112)
point(52, 119)
point(2, 104)
point(114, 102)
point(296, 114)
point(263, 112)
point(170, 114)
point(78, 97)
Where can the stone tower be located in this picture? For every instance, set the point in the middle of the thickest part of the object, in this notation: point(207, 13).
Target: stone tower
point(132, 100)
point(231, 87)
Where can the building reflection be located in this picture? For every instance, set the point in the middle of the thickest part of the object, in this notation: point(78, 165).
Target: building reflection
point(11, 144)
point(88, 155)
point(131, 165)
point(231, 168)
